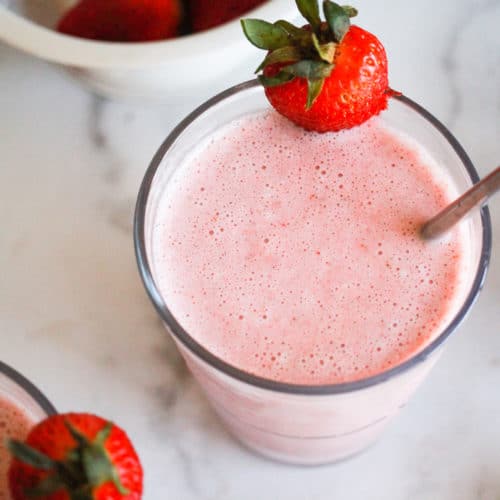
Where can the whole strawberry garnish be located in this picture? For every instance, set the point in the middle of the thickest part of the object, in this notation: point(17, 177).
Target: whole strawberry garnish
point(325, 76)
point(76, 456)
point(206, 14)
point(123, 20)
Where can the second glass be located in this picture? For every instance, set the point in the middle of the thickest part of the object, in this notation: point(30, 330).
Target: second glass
point(22, 405)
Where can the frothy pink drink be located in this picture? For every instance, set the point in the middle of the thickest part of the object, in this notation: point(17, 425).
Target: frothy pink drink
point(296, 257)
point(15, 423)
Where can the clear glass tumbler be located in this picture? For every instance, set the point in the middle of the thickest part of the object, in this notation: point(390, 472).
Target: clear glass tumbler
point(299, 423)
point(22, 401)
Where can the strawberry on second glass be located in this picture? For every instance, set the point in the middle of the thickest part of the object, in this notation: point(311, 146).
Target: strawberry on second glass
point(75, 456)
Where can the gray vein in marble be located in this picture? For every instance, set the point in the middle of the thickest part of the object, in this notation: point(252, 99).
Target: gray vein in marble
point(495, 362)
point(189, 471)
point(96, 133)
point(119, 212)
point(486, 489)
point(168, 394)
point(121, 215)
point(450, 58)
point(192, 432)
point(98, 138)
point(186, 463)
point(168, 352)
point(200, 478)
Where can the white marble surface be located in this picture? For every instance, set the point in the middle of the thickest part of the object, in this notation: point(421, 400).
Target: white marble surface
point(75, 319)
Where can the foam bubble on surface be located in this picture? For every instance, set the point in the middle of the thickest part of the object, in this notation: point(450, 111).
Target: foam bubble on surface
point(295, 255)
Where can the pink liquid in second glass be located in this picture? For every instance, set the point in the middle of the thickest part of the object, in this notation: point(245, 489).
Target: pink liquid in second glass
point(295, 256)
point(15, 423)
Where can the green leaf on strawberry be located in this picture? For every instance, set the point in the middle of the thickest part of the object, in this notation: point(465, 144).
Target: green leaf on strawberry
point(281, 55)
point(264, 35)
point(310, 70)
point(326, 50)
point(310, 11)
point(337, 20)
point(314, 87)
point(30, 456)
point(46, 487)
point(289, 28)
point(350, 11)
point(274, 81)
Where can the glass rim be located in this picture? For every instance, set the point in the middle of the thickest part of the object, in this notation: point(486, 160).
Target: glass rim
point(265, 383)
point(31, 389)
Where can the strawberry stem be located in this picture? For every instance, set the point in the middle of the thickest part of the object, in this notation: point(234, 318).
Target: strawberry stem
point(308, 52)
point(46, 487)
point(310, 11)
point(337, 19)
point(30, 456)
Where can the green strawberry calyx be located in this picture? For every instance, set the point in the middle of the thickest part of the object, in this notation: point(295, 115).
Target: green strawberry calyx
point(307, 52)
point(86, 466)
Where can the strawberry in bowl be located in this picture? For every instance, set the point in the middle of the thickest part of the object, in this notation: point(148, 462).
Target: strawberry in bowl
point(325, 76)
point(207, 14)
point(123, 20)
point(75, 456)
point(149, 20)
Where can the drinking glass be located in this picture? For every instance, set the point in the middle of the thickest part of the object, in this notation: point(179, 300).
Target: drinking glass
point(305, 424)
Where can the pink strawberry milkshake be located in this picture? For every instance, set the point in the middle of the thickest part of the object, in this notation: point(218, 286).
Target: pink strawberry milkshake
point(288, 267)
point(295, 256)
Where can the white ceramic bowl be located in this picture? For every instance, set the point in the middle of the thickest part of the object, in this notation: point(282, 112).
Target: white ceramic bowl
point(200, 63)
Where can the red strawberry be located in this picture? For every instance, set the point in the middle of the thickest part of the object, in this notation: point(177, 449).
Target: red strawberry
point(123, 20)
point(326, 76)
point(206, 14)
point(75, 456)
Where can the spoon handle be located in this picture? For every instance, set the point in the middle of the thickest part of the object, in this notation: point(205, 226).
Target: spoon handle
point(476, 196)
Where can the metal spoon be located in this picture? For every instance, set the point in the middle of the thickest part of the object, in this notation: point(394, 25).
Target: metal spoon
point(478, 195)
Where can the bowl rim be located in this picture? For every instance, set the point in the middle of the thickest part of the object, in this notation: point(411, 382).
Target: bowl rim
point(56, 47)
point(232, 371)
